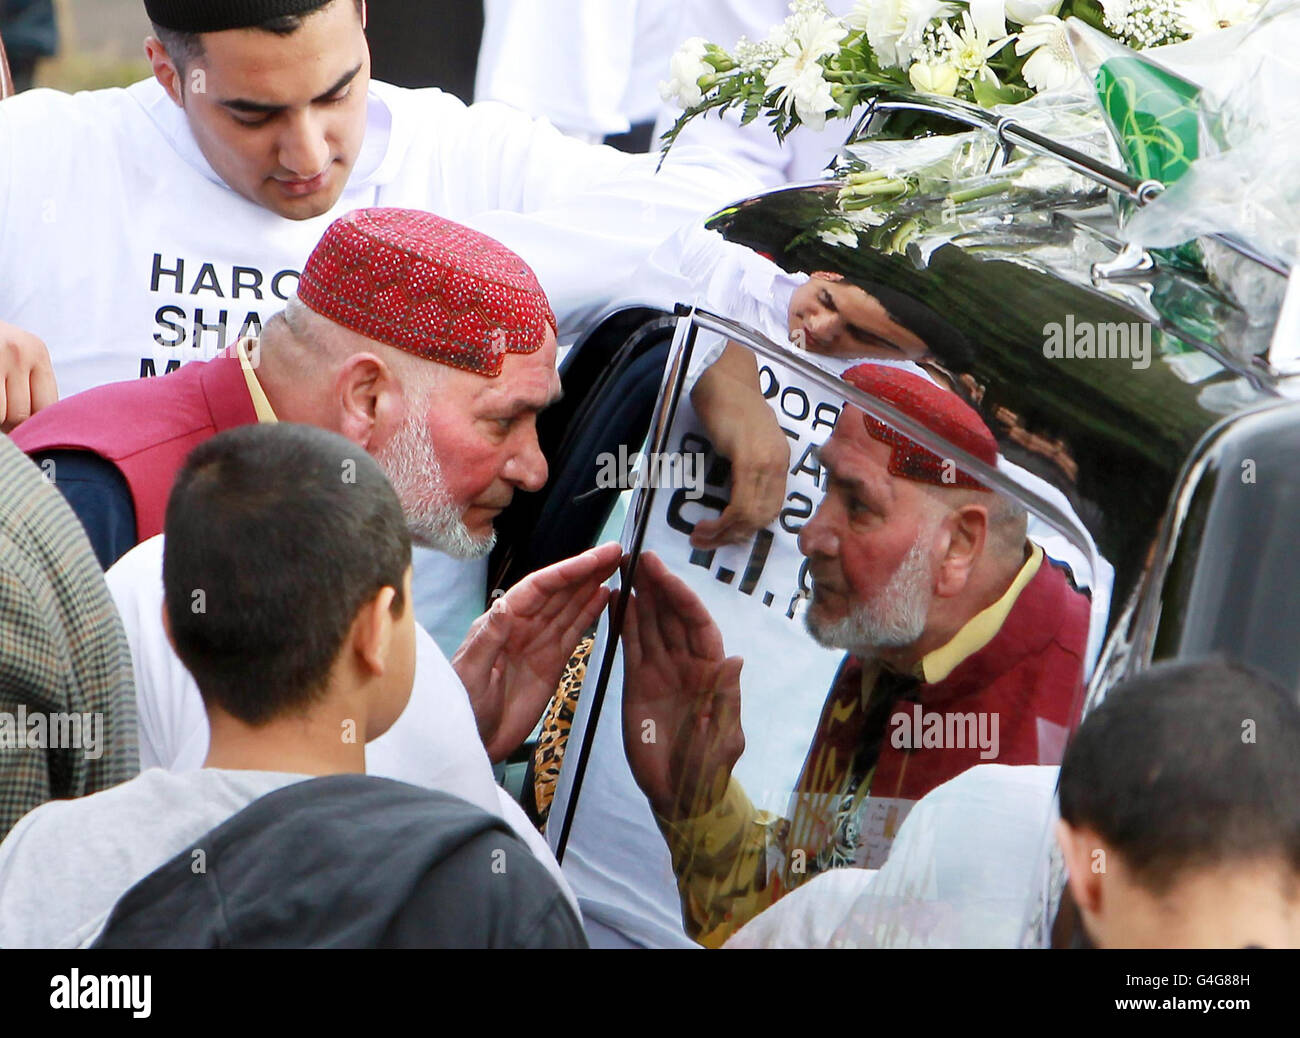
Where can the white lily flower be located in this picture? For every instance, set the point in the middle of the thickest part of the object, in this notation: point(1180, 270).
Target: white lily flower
point(814, 33)
point(799, 74)
point(934, 78)
point(1022, 12)
point(1051, 64)
point(686, 69)
point(989, 17)
point(894, 27)
point(969, 49)
point(1197, 17)
point(805, 89)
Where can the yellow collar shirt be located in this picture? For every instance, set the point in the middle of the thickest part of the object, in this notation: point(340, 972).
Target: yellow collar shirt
point(247, 350)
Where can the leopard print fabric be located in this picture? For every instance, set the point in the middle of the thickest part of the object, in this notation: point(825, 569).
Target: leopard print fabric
point(549, 754)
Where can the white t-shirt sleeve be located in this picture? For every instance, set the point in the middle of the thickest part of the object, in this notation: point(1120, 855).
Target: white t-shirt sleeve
point(435, 742)
point(699, 267)
point(173, 727)
point(515, 817)
point(583, 216)
point(46, 137)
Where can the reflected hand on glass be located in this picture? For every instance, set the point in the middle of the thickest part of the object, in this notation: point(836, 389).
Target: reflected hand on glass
point(744, 430)
point(681, 696)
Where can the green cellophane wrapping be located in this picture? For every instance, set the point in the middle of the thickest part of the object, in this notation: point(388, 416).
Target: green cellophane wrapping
point(1153, 115)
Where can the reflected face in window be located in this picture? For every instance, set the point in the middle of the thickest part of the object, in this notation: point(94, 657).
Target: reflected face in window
point(839, 319)
point(869, 547)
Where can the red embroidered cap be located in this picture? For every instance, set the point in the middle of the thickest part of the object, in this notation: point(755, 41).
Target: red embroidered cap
point(942, 412)
point(428, 286)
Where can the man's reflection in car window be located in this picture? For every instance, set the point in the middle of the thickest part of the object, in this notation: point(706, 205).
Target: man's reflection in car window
point(753, 426)
point(964, 645)
point(839, 322)
point(832, 317)
point(734, 540)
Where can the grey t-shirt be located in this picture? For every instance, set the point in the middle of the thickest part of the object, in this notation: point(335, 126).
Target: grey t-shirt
point(65, 865)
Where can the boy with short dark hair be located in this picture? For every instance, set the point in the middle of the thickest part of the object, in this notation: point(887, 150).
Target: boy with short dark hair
point(1180, 808)
point(287, 578)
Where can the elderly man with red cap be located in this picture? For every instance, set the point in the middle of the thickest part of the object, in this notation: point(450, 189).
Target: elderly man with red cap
point(433, 347)
point(966, 646)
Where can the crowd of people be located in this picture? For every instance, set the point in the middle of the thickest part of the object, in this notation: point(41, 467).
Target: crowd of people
point(274, 342)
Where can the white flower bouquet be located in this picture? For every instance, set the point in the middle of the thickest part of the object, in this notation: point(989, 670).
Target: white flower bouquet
point(815, 66)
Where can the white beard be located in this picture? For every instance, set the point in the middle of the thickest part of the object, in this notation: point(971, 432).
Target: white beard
point(411, 464)
point(892, 618)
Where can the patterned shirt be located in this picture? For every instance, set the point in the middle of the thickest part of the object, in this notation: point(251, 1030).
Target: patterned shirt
point(67, 693)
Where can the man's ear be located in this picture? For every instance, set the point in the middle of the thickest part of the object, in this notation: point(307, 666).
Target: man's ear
point(372, 632)
point(165, 70)
point(967, 530)
point(1086, 861)
point(366, 395)
point(365, 15)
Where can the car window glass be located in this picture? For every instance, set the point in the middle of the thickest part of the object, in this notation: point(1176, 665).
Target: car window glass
point(699, 837)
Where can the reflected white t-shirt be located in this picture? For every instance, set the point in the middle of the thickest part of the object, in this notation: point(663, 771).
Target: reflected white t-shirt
point(964, 872)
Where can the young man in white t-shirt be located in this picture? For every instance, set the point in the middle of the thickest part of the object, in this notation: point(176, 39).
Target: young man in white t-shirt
point(145, 227)
point(288, 584)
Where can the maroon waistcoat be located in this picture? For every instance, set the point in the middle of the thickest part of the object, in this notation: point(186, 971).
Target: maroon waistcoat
point(146, 427)
point(1030, 675)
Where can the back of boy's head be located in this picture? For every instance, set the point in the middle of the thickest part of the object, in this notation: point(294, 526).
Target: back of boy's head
point(276, 536)
point(1187, 766)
